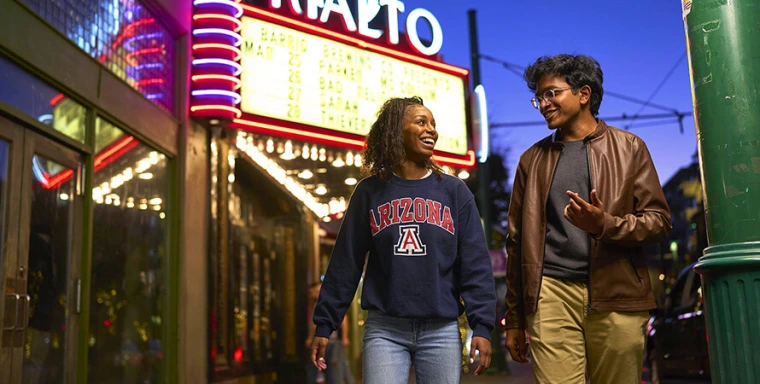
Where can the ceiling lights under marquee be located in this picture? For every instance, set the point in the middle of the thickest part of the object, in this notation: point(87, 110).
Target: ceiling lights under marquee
point(244, 143)
point(321, 177)
point(216, 57)
point(466, 161)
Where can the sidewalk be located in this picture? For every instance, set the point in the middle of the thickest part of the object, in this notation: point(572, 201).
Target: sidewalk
point(519, 374)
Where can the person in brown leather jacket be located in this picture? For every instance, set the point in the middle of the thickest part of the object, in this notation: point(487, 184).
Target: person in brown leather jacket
point(584, 202)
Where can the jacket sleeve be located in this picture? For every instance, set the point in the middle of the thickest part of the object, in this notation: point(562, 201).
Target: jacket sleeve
point(650, 221)
point(345, 269)
point(515, 316)
point(476, 271)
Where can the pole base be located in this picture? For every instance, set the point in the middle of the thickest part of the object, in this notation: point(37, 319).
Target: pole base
point(731, 286)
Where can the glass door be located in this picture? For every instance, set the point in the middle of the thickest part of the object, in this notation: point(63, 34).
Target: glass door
point(41, 284)
point(11, 305)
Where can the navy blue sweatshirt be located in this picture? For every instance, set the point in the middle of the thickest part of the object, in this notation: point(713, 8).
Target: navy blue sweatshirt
point(426, 249)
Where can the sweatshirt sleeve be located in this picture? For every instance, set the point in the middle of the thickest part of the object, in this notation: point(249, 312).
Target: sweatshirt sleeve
point(476, 272)
point(345, 267)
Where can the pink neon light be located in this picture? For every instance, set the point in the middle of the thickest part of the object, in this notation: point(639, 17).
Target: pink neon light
point(228, 47)
point(149, 81)
point(452, 160)
point(234, 110)
point(238, 24)
point(237, 83)
point(59, 179)
point(115, 148)
point(233, 4)
point(218, 58)
point(130, 56)
point(301, 133)
point(129, 30)
point(119, 148)
point(56, 99)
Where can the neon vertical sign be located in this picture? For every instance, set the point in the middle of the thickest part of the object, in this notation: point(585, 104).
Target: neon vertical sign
point(216, 58)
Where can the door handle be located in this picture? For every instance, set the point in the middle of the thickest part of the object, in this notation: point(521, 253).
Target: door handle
point(15, 320)
point(28, 300)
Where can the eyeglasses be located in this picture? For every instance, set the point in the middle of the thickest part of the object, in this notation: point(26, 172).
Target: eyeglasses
point(548, 95)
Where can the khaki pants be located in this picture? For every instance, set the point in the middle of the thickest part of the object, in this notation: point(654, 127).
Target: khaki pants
point(566, 341)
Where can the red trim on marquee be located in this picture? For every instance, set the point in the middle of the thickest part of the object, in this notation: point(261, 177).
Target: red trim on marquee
point(249, 10)
point(295, 131)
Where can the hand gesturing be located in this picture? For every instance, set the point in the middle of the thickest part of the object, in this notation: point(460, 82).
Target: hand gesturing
point(588, 217)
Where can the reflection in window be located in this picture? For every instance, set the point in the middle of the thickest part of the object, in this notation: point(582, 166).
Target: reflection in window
point(121, 34)
point(30, 95)
point(130, 238)
point(4, 160)
point(49, 246)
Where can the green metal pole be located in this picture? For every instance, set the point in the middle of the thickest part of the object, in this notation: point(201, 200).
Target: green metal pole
point(722, 38)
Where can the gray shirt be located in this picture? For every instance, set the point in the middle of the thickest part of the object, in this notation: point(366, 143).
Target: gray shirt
point(567, 247)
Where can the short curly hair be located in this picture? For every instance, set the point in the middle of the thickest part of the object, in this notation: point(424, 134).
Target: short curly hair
point(384, 148)
point(578, 70)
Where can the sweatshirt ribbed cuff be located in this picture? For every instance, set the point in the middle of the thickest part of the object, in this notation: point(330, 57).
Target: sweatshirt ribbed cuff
point(481, 330)
point(323, 331)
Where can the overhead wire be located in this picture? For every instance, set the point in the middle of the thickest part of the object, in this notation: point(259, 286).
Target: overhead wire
point(518, 70)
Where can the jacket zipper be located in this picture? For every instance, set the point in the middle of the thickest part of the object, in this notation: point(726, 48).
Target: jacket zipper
point(592, 242)
point(543, 258)
point(633, 266)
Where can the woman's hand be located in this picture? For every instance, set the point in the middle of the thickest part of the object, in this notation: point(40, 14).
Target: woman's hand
point(482, 345)
point(318, 347)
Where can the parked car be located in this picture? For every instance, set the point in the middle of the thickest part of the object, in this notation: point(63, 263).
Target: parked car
point(676, 334)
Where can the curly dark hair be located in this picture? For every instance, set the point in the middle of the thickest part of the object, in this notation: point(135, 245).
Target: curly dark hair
point(578, 70)
point(384, 148)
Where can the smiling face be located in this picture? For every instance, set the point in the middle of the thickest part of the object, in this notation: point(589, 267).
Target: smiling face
point(566, 105)
point(419, 133)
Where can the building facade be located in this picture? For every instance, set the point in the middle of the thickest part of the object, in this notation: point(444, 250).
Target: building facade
point(173, 174)
point(103, 194)
point(288, 91)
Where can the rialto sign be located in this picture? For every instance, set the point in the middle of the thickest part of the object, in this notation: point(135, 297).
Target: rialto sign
point(367, 11)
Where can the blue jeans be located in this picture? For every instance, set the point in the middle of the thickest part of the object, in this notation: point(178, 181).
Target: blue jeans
point(392, 345)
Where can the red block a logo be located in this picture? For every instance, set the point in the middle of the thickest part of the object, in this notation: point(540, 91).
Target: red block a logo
point(409, 243)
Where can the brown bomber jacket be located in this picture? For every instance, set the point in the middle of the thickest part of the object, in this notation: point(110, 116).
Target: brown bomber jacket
point(636, 213)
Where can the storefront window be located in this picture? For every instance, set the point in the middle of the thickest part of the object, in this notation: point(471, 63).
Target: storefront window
point(30, 95)
point(130, 239)
point(124, 36)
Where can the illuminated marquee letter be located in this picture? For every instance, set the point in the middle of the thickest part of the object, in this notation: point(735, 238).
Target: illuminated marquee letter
point(368, 10)
point(312, 8)
point(342, 8)
point(295, 5)
point(394, 6)
point(414, 38)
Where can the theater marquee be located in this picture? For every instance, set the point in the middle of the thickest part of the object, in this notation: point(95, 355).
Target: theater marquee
point(306, 79)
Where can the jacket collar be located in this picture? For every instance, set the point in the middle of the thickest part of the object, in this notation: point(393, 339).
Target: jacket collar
point(554, 141)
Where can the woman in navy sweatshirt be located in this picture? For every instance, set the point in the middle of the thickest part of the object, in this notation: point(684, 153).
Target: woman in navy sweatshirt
point(419, 232)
